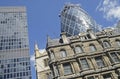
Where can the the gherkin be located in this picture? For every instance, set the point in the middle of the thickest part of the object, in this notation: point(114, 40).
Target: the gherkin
point(75, 20)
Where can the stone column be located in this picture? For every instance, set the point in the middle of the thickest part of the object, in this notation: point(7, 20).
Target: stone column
point(106, 60)
point(94, 63)
point(114, 75)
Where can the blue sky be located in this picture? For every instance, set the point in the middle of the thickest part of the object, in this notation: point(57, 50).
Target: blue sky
point(43, 16)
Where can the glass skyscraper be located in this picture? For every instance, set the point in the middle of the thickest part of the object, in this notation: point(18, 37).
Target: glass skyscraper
point(14, 44)
point(75, 20)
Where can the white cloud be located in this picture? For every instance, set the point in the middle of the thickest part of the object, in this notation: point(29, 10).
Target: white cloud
point(32, 59)
point(42, 50)
point(110, 9)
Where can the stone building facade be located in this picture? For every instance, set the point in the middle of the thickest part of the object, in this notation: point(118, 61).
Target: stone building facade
point(85, 56)
point(41, 64)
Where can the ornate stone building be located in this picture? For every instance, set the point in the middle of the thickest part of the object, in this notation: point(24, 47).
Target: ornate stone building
point(88, 55)
point(41, 64)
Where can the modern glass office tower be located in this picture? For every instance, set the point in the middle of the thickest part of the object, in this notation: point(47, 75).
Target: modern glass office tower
point(14, 44)
point(75, 20)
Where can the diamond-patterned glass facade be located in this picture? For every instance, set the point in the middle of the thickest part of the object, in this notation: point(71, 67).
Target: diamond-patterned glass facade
point(75, 20)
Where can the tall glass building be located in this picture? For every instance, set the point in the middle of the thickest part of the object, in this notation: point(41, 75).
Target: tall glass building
point(14, 44)
point(75, 20)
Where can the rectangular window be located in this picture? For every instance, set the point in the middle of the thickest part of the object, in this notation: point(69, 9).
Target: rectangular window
point(46, 62)
point(114, 57)
point(67, 68)
point(91, 77)
point(107, 76)
point(84, 64)
point(1, 77)
point(99, 61)
point(63, 53)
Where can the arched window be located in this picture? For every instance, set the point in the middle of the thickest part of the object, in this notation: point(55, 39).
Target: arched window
point(63, 53)
point(78, 49)
point(118, 42)
point(106, 44)
point(92, 48)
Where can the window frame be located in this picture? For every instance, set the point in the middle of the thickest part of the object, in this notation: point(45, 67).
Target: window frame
point(68, 68)
point(85, 63)
point(90, 77)
point(78, 49)
point(106, 74)
point(46, 64)
point(106, 44)
point(92, 48)
point(112, 59)
point(98, 63)
point(63, 53)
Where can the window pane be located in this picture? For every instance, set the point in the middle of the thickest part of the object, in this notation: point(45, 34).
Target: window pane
point(78, 49)
point(106, 44)
point(63, 53)
point(67, 68)
point(84, 64)
point(107, 76)
point(99, 61)
point(92, 48)
point(91, 77)
point(114, 57)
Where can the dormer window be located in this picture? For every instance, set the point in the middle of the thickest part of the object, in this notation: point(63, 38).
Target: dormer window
point(88, 36)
